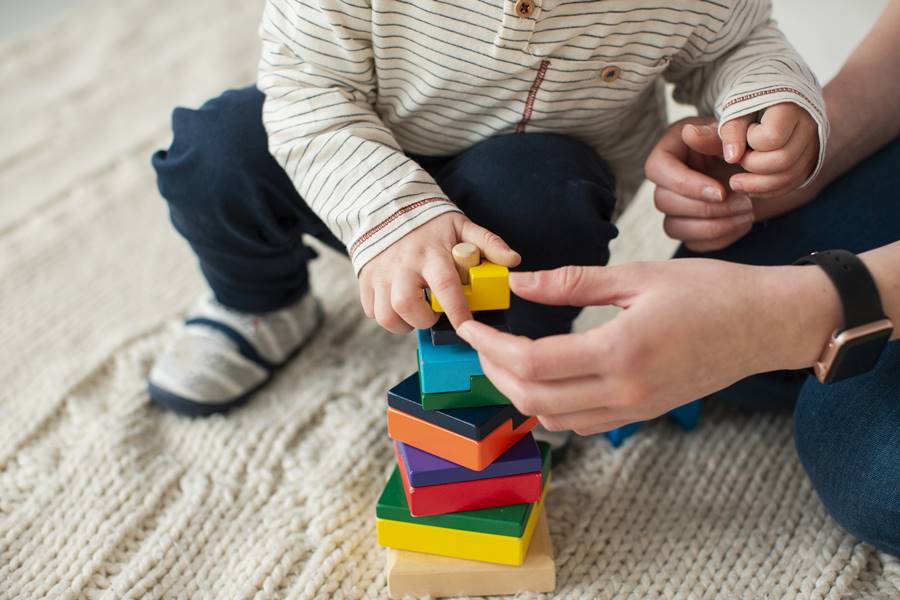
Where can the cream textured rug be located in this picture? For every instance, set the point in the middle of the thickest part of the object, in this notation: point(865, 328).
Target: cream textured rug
point(104, 496)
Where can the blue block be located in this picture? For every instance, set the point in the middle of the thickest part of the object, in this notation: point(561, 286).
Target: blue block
point(618, 435)
point(686, 416)
point(445, 368)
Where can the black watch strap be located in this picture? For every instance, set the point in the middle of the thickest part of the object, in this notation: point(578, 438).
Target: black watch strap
point(855, 286)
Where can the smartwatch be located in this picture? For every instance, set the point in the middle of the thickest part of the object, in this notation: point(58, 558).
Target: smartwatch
point(855, 347)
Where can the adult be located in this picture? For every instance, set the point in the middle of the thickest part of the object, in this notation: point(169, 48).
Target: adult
point(727, 319)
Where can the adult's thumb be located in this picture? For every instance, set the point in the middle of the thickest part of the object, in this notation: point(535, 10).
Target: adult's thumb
point(702, 138)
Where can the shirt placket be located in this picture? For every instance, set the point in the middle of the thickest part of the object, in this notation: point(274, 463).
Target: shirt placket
point(517, 27)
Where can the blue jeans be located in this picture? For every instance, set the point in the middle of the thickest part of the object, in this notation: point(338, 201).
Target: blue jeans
point(550, 197)
point(847, 434)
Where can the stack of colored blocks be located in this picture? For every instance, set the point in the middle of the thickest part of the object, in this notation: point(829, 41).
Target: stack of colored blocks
point(470, 479)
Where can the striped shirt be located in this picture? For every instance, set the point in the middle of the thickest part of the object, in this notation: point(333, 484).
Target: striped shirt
point(353, 85)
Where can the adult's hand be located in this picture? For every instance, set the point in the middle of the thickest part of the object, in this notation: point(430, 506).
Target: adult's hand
point(689, 327)
point(694, 187)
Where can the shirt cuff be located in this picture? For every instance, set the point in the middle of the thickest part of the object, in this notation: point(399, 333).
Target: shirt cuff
point(740, 105)
point(394, 226)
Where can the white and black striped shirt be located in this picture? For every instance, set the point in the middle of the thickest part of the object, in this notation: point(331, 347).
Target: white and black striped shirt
point(353, 84)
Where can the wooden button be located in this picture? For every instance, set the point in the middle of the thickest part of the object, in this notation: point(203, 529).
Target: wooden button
point(610, 74)
point(524, 8)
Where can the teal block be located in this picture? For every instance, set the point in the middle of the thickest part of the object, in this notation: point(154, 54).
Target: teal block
point(445, 368)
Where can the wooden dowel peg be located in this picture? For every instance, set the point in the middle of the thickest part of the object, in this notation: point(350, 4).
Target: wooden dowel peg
point(465, 256)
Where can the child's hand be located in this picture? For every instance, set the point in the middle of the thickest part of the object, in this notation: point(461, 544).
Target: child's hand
point(779, 153)
point(391, 284)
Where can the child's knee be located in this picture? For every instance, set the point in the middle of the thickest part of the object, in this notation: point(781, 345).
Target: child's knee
point(214, 149)
point(549, 196)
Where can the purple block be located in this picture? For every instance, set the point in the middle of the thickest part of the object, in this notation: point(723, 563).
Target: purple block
point(424, 469)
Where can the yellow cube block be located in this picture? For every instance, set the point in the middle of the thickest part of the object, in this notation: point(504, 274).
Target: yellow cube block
point(488, 290)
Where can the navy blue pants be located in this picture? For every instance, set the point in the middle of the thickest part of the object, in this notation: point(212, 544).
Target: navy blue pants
point(551, 199)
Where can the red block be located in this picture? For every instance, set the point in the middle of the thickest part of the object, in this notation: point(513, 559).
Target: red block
point(469, 495)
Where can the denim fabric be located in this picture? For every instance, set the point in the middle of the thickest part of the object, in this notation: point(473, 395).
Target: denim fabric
point(550, 197)
point(847, 434)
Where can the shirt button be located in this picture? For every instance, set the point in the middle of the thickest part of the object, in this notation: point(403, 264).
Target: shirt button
point(610, 74)
point(524, 8)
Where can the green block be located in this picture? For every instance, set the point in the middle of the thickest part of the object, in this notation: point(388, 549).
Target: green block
point(505, 520)
point(481, 393)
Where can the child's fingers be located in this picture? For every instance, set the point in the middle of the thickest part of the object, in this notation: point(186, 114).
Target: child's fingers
point(734, 138)
point(803, 143)
point(408, 301)
point(443, 281)
point(690, 230)
point(785, 181)
point(384, 312)
point(676, 205)
point(666, 168)
point(775, 128)
point(702, 139)
point(491, 245)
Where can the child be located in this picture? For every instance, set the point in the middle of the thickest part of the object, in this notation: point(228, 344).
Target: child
point(399, 128)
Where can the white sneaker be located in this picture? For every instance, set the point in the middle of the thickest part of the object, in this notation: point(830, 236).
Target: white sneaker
point(223, 356)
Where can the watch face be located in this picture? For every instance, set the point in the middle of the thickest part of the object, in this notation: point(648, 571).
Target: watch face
point(856, 354)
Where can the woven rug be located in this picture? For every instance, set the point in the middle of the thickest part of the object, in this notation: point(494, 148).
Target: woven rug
point(104, 496)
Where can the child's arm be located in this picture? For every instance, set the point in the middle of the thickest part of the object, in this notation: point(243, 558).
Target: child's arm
point(743, 70)
point(318, 75)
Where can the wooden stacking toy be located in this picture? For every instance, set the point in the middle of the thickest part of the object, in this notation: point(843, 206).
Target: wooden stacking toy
point(462, 513)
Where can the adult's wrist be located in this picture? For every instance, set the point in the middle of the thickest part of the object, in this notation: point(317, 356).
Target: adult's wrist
point(803, 310)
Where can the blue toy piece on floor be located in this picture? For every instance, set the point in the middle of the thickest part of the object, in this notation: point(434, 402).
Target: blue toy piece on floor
point(686, 416)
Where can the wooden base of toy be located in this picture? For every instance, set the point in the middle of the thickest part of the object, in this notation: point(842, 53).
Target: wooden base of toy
point(412, 573)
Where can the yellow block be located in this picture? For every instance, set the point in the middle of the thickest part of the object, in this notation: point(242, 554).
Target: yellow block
point(416, 574)
point(457, 543)
point(488, 290)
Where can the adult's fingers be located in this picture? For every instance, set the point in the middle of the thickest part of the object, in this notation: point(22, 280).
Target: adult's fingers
point(491, 245)
point(775, 127)
point(702, 138)
point(676, 205)
point(443, 281)
point(667, 168)
point(408, 301)
point(574, 285)
point(589, 422)
point(384, 312)
point(367, 299)
point(555, 397)
point(550, 358)
point(734, 138)
point(718, 243)
point(689, 230)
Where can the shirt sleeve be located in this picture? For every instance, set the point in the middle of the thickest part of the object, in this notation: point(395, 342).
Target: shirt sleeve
point(743, 64)
point(318, 76)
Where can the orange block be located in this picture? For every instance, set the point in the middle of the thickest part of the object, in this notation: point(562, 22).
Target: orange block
point(472, 454)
